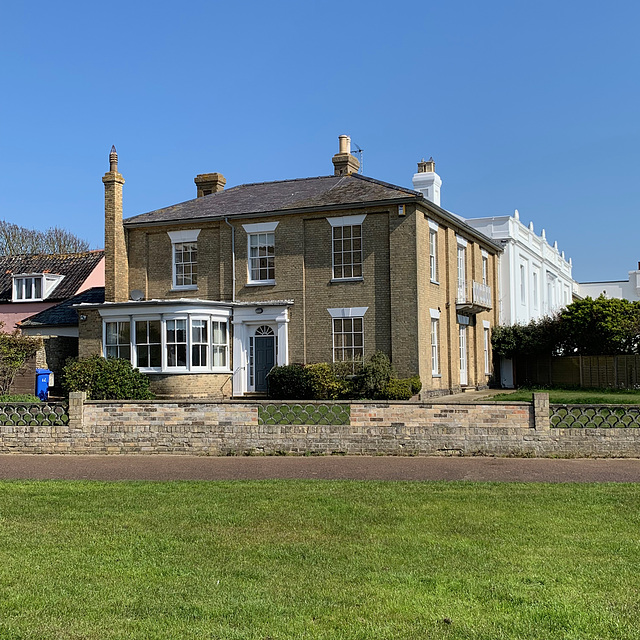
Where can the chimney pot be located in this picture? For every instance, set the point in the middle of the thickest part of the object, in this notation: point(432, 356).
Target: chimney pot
point(113, 159)
point(344, 163)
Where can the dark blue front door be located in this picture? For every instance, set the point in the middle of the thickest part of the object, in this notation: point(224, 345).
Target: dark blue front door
point(264, 359)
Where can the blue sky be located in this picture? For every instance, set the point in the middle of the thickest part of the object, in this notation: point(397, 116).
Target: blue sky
point(524, 105)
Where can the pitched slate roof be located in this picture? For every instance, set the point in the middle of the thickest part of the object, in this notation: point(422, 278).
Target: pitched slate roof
point(282, 196)
point(76, 267)
point(64, 313)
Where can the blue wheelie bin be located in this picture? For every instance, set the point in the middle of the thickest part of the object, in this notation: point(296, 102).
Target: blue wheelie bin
point(42, 383)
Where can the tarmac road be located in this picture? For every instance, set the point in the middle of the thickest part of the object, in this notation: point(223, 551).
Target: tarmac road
point(178, 467)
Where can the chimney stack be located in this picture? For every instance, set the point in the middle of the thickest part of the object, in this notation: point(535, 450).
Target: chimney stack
point(427, 181)
point(344, 163)
point(208, 183)
point(116, 263)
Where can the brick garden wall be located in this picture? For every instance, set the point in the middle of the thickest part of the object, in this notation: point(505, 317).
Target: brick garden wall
point(232, 428)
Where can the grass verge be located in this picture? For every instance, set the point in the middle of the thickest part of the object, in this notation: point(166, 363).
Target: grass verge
point(320, 560)
point(573, 396)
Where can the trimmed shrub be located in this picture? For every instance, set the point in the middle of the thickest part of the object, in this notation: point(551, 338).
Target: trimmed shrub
point(106, 379)
point(416, 385)
point(324, 384)
point(399, 389)
point(376, 374)
point(290, 382)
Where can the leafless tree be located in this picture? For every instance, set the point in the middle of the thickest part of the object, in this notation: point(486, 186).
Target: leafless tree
point(16, 240)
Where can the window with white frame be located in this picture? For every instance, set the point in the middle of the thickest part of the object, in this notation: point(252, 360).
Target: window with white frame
point(261, 252)
point(199, 342)
point(523, 284)
point(348, 334)
point(185, 258)
point(346, 243)
point(433, 251)
point(193, 342)
point(485, 268)
point(435, 348)
point(487, 343)
point(535, 289)
point(220, 344)
point(117, 339)
point(148, 344)
point(27, 288)
point(462, 269)
point(176, 342)
point(262, 256)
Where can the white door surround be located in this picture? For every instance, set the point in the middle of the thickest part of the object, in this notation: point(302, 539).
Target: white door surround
point(260, 318)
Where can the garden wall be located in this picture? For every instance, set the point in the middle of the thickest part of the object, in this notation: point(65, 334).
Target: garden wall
point(262, 427)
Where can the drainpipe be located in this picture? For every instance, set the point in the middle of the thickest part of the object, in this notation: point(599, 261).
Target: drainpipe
point(233, 258)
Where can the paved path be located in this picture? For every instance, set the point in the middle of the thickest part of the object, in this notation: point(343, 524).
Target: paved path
point(164, 467)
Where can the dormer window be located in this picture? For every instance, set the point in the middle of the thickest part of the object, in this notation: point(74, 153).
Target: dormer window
point(32, 287)
point(27, 288)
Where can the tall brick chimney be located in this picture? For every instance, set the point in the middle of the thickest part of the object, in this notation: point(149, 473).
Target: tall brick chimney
point(116, 263)
point(344, 163)
point(208, 183)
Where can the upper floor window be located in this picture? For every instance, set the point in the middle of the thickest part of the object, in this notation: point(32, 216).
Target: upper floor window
point(347, 255)
point(433, 251)
point(523, 284)
point(462, 269)
point(261, 252)
point(485, 267)
point(29, 288)
point(34, 286)
point(185, 258)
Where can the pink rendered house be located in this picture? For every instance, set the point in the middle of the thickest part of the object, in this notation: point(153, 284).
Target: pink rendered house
point(30, 284)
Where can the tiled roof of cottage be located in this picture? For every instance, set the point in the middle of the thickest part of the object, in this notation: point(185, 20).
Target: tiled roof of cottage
point(75, 267)
point(63, 313)
point(282, 196)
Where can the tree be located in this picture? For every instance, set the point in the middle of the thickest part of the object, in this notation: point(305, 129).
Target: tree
point(15, 349)
point(600, 327)
point(16, 240)
point(604, 326)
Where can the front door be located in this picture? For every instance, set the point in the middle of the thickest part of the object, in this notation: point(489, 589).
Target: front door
point(265, 359)
point(463, 355)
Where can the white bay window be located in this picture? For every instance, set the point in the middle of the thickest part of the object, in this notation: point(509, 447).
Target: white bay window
point(171, 343)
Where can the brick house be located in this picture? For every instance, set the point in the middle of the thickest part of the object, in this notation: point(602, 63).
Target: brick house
point(207, 295)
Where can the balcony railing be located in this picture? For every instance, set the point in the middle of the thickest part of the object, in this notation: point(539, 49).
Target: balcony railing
point(480, 299)
point(482, 295)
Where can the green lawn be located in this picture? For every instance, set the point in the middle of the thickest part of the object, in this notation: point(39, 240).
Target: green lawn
point(573, 396)
point(317, 559)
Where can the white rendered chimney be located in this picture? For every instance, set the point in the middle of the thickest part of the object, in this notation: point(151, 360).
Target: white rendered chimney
point(427, 181)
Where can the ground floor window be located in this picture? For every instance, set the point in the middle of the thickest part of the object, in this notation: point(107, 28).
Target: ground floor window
point(169, 344)
point(435, 354)
point(148, 344)
point(487, 342)
point(348, 339)
point(118, 339)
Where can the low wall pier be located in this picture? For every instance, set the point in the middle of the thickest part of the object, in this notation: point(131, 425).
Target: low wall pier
point(367, 428)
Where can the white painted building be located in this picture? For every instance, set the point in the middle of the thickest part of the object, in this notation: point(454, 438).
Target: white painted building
point(623, 289)
point(534, 277)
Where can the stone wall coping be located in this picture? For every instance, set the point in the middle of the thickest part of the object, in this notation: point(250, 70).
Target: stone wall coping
point(371, 403)
point(596, 404)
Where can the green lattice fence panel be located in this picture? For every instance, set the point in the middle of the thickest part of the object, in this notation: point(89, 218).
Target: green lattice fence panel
point(609, 416)
point(301, 413)
point(25, 413)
